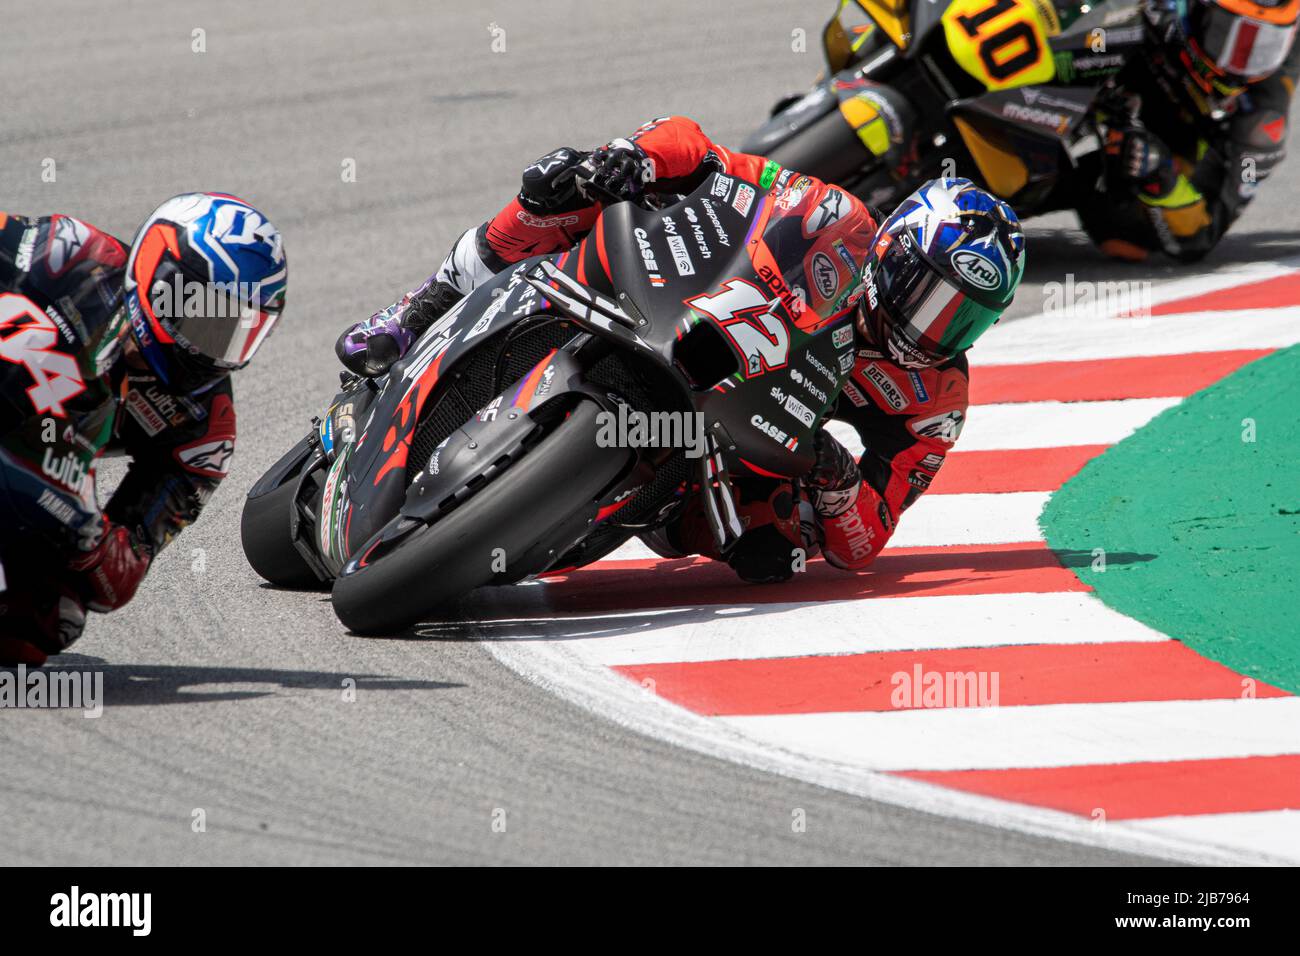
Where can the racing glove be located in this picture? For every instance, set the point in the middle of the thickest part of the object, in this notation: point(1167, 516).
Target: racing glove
point(1140, 158)
point(835, 478)
point(765, 553)
point(550, 184)
point(109, 575)
point(853, 521)
point(620, 169)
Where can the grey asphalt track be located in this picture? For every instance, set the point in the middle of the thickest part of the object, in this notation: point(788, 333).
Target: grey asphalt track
point(226, 696)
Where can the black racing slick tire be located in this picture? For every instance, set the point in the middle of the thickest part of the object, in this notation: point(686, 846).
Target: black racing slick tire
point(268, 545)
point(536, 498)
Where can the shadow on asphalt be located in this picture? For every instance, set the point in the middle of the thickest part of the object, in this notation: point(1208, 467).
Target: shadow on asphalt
point(596, 601)
point(131, 685)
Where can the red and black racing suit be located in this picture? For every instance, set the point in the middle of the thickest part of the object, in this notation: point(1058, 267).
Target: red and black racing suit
point(72, 390)
point(907, 420)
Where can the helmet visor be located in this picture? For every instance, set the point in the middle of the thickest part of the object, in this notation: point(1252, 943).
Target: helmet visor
point(924, 307)
point(229, 342)
point(222, 322)
point(1239, 45)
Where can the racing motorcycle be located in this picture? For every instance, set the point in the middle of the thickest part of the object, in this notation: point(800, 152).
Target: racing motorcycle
point(916, 89)
point(494, 450)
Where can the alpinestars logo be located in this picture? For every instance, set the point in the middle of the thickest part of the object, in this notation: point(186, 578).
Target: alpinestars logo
point(67, 237)
point(830, 210)
point(211, 454)
point(548, 162)
point(210, 458)
point(946, 427)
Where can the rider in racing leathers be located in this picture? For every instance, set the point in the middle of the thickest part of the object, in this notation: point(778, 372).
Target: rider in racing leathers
point(110, 348)
point(1206, 124)
point(916, 313)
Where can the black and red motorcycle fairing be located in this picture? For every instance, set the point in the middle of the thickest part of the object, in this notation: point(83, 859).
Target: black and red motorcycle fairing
point(476, 461)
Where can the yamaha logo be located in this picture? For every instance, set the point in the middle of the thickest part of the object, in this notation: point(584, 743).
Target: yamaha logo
point(976, 269)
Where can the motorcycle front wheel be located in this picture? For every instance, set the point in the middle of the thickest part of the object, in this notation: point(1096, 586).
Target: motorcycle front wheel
point(515, 515)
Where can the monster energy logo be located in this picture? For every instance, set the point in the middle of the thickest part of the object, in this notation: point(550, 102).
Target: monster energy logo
point(1064, 65)
point(769, 174)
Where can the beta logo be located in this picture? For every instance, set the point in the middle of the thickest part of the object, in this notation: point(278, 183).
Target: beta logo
point(976, 268)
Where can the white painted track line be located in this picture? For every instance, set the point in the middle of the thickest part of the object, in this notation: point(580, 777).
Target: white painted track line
point(938, 520)
point(1061, 339)
point(1041, 424)
point(1057, 735)
point(1275, 832)
point(553, 666)
point(846, 627)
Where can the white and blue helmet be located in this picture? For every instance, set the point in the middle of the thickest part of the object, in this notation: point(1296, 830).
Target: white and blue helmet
point(204, 285)
point(942, 269)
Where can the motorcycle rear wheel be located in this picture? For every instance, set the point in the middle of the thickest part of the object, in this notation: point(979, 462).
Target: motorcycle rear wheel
point(828, 148)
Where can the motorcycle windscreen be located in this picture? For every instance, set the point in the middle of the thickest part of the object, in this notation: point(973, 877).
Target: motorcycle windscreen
point(853, 24)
